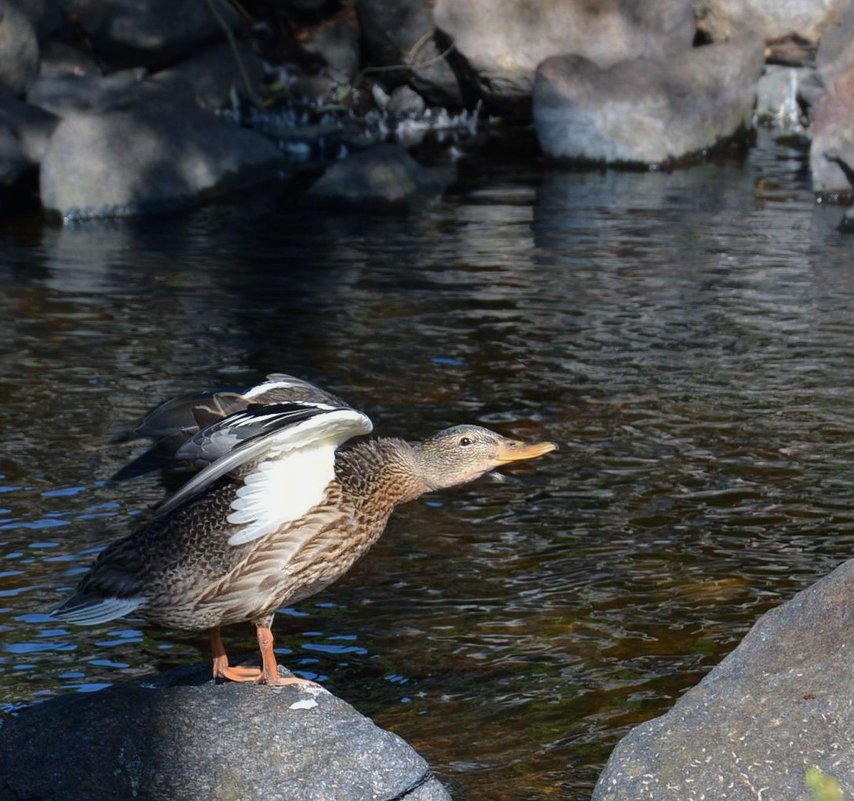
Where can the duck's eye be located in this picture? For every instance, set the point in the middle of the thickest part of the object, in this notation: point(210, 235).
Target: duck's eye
point(465, 441)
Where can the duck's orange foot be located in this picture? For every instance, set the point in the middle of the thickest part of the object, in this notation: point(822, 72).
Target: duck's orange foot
point(286, 681)
point(237, 673)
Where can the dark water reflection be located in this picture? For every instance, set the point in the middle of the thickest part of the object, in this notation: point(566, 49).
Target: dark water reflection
point(686, 336)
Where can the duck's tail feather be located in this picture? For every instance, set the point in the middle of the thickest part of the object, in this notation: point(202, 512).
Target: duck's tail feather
point(89, 610)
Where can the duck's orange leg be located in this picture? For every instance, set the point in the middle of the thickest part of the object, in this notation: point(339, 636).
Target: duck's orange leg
point(221, 669)
point(269, 665)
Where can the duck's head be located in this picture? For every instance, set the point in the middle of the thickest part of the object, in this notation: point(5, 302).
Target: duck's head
point(463, 453)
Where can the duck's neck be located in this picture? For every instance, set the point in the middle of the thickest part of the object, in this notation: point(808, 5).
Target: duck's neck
point(380, 474)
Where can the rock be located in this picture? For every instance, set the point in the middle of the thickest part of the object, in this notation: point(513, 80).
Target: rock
point(30, 125)
point(71, 94)
point(61, 59)
point(147, 159)
point(150, 33)
point(832, 147)
point(210, 77)
point(768, 19)
point(402, 33)
point(503, 41)
point(846, 225)
point(181, 737)
point(836, 49)
point(777, 94)
point(405, 102)
point(383, 176)
point(775, 708)
point(647, 110)
point(337, 42)
point(19, 49)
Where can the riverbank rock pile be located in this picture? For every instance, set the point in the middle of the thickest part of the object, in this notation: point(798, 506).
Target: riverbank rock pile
point(180, 736)
point(110, 107)
point(773, 720)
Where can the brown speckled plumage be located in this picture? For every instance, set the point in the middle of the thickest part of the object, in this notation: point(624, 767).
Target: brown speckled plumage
point(181, 571)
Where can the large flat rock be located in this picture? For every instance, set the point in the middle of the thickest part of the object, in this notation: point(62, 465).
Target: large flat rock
point(184, 738)
point(780, 706)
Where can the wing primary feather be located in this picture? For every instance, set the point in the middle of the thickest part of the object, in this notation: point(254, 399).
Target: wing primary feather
point(289, 432)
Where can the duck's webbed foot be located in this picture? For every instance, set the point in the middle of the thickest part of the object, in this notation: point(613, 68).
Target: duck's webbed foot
point(221, 668)
point(270, 667)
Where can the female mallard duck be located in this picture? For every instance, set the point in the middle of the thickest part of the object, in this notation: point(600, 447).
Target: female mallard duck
point(274, 520)
point(175, 424)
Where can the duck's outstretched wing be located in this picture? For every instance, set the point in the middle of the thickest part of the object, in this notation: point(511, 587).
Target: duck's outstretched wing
point(285, 463)
point(174, 424)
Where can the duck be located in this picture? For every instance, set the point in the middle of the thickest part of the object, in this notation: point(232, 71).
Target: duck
point(176, 425)
point(278, 517)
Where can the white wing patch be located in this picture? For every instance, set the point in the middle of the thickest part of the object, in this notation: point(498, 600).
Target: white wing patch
point(294, 475)
point(277, 492)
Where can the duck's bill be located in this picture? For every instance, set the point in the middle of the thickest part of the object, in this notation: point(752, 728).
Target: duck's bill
point(514, 451)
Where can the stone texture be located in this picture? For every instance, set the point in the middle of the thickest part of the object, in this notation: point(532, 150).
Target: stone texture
point(401, 32)
point(209, 77)
point(71, 94)
point(32, 126)
point(832, 146)
point(647, 110)
point(19, 49)
point(183, 738)
point(58, 59)
point(776, 707)
point(381, 176)
point(769, 19)
point(503, 41)
point(337, 42)
point(836, 49)
point(149, 158)
point(149, 33)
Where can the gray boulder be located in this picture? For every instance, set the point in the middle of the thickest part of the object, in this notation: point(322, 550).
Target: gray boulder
point(832, 146)
point(150, 33)
point(648, 110)
point(400, 33)
point(381, 176)
point(19, 49)
point(210, 77)
point(503, 41)
point(338, 42)
point(836, 49)
point(183, 738)
point(68, 93)
point(768, 19)
point(62, 59)
point(777, 708)
point(24, 134)
point(148, 159)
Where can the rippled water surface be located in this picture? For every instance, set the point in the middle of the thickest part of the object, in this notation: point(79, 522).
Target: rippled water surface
point(688, 338)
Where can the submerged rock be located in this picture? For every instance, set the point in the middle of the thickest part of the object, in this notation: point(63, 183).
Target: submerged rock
point(648, 110)
point(382, 176)
point(775, 710)
point(503, 41)
point(148, 159)
point(181, 737)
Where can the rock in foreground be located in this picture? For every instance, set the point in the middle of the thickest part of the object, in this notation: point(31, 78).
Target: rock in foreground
point(776, 708)
point(183, 738)
point(648, 110)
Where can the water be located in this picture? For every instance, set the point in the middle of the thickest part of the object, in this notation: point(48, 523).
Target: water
point(686, 337)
